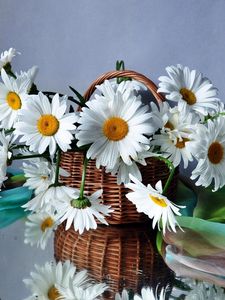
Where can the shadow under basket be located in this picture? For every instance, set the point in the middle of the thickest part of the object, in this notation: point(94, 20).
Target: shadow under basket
point(114, 194)
point(121, 256)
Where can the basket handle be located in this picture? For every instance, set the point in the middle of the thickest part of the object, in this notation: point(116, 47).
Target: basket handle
point(125, 73)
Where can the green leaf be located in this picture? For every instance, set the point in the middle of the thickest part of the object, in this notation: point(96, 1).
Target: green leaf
point(79, 96)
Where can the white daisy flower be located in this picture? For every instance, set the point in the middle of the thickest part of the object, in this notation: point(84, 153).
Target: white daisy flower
point(45, 281)
point(90, 292)
point(82, 213)
point(115, 128)
point(39, 228)
point(30, 74)
point(40, 174)
point(151, 202)
point(210, 153)
point(13, 95)
point(187, 85)
point(43, 124)
point(175, 137)
point(123, 296)
point(48, 198)
point(6, 57)
point(148, 294)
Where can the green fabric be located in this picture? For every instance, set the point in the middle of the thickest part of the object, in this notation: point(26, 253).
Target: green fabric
point(12, 199)
point(211, 205)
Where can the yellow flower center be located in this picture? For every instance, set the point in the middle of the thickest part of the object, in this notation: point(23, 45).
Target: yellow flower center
point(47, 223)
point(48, 125)
point(159, 201)
point(53, 293)
point(181, 144)
point(44, 177)
point(13, 100)
point(169, 125)
point(215, 153)
point(115, 128)
point(188, 96)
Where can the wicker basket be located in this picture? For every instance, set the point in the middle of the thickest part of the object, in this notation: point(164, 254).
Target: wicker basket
point(113, 194)
point(121, 256)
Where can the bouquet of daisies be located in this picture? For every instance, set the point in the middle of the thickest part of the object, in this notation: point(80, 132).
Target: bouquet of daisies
point(117, 130)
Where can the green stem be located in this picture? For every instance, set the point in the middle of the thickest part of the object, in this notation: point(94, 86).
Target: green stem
point(57, 167)
point(81, 196)
point(27, 156)
point(172, 170)
point(213, 117)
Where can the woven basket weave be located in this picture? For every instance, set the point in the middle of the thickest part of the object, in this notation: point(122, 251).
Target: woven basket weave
point(113, 194)
point(121, 256)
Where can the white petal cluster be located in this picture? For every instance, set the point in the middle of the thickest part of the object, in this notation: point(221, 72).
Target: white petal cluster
point(6, 57)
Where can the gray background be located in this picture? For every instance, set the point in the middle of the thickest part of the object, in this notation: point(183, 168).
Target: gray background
point(74, 41)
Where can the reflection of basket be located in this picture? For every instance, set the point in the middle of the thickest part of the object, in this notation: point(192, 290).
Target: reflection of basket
point(114, 195)
point(121, 256)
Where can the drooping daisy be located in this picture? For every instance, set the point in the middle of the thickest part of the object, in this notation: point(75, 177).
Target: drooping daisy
point(44, 282)
point(148, 294)
point(6, 57)
point(48, 198)
point(115, 128)
point(175, 137)
point(13, 95)
point(183, 84)
point(43, 124)
point(40, 174)
point(210, 153)
point(39, 228)
point(82, 213)
point(90, 292)
point(151, 202)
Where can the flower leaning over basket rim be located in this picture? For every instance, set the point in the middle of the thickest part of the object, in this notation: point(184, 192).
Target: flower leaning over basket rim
point(82, 212)
point(156, 206)
point(190, 86)
point(43, 124)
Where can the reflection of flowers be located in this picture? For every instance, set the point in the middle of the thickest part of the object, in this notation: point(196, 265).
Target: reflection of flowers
point(39, 228)
point(44, 283)
point(146, 294)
